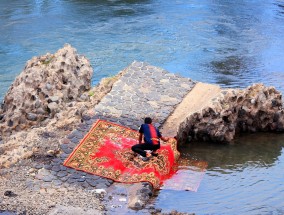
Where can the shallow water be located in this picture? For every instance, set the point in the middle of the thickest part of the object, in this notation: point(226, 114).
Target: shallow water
point(245, 177)
point(231, 43)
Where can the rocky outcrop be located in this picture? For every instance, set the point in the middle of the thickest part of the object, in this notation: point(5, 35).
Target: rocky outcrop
point(46, 85)
point(139, 194)
point(257, 108)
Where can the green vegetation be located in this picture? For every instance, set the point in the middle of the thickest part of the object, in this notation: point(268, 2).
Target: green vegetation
point(91, 93)
point(47, 61)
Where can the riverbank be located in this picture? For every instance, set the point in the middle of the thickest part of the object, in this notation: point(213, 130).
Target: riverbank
point(33, 156)
point(33, 178)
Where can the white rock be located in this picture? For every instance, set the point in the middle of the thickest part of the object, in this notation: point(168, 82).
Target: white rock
point(122, 199)
point(100, 191)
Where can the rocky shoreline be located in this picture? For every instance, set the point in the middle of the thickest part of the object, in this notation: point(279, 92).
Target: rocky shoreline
point(255, 109)
point(41, 125)
point(51, 106)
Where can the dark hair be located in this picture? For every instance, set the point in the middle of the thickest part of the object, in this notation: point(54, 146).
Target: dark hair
point(148, 120)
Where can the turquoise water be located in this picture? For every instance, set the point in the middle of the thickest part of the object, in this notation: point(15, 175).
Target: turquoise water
point(245, 177)
point(231, 43)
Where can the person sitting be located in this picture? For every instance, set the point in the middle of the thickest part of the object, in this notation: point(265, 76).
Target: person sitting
point(152, 138)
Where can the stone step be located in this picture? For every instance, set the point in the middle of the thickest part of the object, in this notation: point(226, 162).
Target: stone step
point(198, 98)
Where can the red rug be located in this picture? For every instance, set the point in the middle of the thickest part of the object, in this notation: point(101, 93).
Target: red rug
point(106, 151)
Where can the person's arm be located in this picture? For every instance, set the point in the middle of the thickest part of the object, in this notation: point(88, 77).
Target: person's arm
point(140, 138)
point(165, 139)
point(141, 131)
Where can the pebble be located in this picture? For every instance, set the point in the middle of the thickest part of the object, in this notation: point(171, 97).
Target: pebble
point(10, 193)
point(31, 116)
point(53, 106)
point(48, 86)
point(38, 165)
point(100, 191)
point(122, 199)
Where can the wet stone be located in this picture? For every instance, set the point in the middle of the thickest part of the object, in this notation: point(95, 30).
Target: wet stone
point(63, 179)
point(81, 129)
point(29, 184)
point(72, 145)
point(89, 122)
point(102, 180)
point(65, 185)
point(75, 175)
point(71, 170)
point(35, 188)
point(57, 160)
point(86, 117)
point(81, 179)
point(54, 173)
point(62, 174)
point(64, 155)
point(65, 141)
point(109, 182)
point(45, 185)
point(75, 140)
point(38, 166)
point(91, 182)
point(44, 171)
point(83, 174)
point(70, 136)
point(71, 180)
point(63, 168)
point(56, 168)
point(67, 150)
point(57, 182)
point(77, 134)
point(47, 178)
point(102, 185)
point(64, 146)
point(47, 167)
point(39, 176)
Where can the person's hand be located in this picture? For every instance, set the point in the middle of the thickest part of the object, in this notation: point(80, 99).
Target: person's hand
point(166, 139)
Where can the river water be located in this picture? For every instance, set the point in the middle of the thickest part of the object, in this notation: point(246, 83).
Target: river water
point(231, 43)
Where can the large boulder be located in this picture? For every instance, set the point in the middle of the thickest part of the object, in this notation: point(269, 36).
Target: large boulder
point(44, 87)
point(257, 108)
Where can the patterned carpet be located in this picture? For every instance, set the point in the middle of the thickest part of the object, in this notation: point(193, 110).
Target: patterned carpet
point(106, 151)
